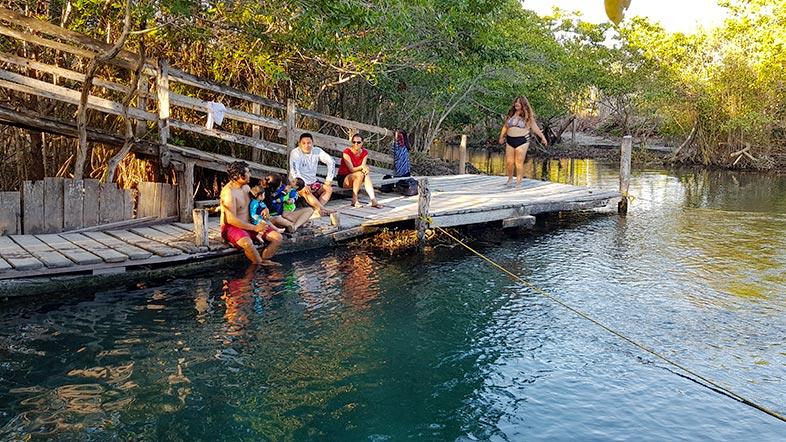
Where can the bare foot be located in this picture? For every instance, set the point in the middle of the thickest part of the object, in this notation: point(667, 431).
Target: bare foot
point(324, 212)
point(269, 263)
point(507, 183)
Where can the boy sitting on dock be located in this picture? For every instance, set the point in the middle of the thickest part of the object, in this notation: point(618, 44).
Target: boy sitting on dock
point(236, 226)
point(259, 210)
point(281, 203)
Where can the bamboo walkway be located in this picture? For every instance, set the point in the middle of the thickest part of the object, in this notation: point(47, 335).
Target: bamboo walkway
point(455, 200)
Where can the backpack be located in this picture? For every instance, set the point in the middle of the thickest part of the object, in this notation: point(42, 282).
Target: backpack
point(407, 187)
point(387, 187)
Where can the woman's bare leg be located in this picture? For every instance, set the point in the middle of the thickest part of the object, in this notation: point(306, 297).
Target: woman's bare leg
point(521, 154)
point(510, 162)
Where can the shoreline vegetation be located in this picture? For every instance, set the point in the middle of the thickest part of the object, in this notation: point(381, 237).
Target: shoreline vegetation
point(431, 68)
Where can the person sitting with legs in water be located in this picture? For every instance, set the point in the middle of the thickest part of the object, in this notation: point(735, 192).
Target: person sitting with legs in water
point(353, 172)
point(516, 134)
point(236, 226)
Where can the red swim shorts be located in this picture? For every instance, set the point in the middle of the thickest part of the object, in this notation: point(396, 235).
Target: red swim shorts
point(233, 234)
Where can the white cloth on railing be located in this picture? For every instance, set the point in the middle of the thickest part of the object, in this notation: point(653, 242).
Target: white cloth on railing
point(215, 114)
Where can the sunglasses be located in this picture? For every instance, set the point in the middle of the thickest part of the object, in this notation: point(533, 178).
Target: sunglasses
point(357, 142)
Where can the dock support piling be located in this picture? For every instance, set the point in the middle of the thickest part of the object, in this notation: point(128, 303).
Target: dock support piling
point(200, 227)
point(462, 169)
point(625, 154)
point(424, 201)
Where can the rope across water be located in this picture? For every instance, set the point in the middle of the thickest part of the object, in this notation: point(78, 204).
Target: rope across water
point(699, 379)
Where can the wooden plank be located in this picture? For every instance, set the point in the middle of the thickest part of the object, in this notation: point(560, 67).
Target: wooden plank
point(69, 250)
point(110, 203)
point(124, 58)
point(346, 123)
point(60, 72)
point(162, 91)
point(39, 88)
point(228, 136)
point(53, 204)
point(33, 202)
point(128, 204)
point(202, 83)
point(42, 252)
point(168, 196)
point(95, 247)
point(144, 243)
point(131, 251)
point(149, 203)
point(10, 213)
point(18, 257)
point(4, 265)
point(230, 113)
point(220, 162)
point(90, 203)
point(185, 187)
point(163, 236)
point(73, 204)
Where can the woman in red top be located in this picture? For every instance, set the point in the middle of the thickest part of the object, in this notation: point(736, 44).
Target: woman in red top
point(353, 172)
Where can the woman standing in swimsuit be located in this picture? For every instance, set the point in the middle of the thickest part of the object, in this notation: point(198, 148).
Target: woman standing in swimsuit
point(516, 134)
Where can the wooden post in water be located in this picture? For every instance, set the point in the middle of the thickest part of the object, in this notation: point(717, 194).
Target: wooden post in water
point(162, 88)
point(424, 201)
point(200, 227)
point(291, 140)
point(463, 156)
point(625, 153)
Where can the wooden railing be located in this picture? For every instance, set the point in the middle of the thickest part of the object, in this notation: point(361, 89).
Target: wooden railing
point(167, 99)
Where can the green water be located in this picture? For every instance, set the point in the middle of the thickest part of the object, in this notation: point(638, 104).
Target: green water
point(346, 345)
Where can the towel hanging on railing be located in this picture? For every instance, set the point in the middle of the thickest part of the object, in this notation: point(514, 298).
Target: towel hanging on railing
point(215, 114)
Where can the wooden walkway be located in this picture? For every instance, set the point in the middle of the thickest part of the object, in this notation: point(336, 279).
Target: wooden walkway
point(455, 200)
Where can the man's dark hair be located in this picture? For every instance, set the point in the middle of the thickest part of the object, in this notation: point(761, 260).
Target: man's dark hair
point(299, 184)
point(305, 135)
point(237, 169)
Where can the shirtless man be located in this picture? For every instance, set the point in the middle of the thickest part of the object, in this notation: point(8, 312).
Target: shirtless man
point(236, 224)
point(303, 163)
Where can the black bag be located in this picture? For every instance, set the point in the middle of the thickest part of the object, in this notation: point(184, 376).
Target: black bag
point(407, 187)
point(388, 187)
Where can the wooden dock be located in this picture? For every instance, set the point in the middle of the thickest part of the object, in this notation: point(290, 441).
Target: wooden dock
point(455, 201)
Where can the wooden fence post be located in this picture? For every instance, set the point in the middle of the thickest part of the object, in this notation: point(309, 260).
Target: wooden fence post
point(291, 141)
point(424, 202)
point(185, 185)
point(200, 227)
point(256, 133)
point(625, 154)
point(462, 169)
point(141, 104)
point(162, 88)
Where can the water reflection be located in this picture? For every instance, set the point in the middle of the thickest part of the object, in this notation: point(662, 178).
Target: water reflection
point(345, 345)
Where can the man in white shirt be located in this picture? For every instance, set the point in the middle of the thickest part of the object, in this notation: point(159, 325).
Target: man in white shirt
point(303, 163)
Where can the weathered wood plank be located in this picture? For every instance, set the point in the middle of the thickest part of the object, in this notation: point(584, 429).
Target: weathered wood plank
point(110, 203)
point(105, 253)
point(4, 265)
point(42, 252)
point(53, 204)
point(68, 249)
point(18, 257)
point(230, 113)
point(144, 243)
point(39, 88)
point(128, 204)
point(90, 203)
point(33, 201)
point(10, 213)
point(228, 136)
point(73, 204)
point(149, 202)
point(168, 206)
point(165, 237)
point(131, 251)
